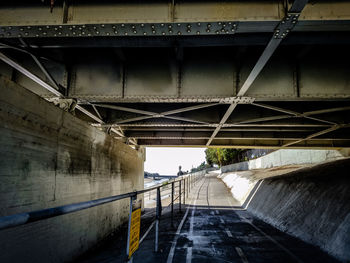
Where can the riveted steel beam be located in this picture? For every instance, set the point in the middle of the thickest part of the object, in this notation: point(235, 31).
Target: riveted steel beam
point(228, 135)
point(242, 129)
point(214, 125)
point(121, 29)
point(14, 13)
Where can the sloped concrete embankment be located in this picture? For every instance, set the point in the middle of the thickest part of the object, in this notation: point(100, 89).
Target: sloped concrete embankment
point(311, 204)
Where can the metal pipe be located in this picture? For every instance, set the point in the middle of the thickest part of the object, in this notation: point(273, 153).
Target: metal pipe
point(172, 203)
point(180, 195)
point(24, 218)
point(156, 236)
point(184, 191)
point(158, 211)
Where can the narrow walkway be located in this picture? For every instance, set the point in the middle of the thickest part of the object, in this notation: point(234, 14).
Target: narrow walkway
point(211, 229)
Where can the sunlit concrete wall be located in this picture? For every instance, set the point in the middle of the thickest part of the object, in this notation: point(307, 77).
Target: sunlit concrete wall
point(287, 157)
point(51, 158)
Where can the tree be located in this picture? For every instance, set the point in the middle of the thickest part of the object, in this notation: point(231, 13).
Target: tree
point(201, 167)
point(222, 156)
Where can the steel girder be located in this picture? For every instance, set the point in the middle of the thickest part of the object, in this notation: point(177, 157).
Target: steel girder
point(281, 31)
point(151, 78)
point(224, 92)
point(112, 18)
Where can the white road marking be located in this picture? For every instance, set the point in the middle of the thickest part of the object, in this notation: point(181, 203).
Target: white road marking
point(147, 232)
point(173, 246)
point(190, 233)
point(222, 221)
point(228, 232)
point(241, 254)
point(189, 255)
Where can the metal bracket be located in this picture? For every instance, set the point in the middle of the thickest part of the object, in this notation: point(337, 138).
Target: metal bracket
point(286, 25)
point(238, 100)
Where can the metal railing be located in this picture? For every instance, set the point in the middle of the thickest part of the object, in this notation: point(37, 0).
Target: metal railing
point(185, 182)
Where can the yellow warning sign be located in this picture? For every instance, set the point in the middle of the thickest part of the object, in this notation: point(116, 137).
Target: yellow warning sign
point(134, 229)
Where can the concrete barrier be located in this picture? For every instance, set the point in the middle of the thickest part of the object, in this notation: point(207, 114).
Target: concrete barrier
point(285, 157)
point(243, 166)
point(310, 203)
point(51, 158)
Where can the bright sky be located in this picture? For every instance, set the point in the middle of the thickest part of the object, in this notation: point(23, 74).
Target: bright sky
point(166, 161)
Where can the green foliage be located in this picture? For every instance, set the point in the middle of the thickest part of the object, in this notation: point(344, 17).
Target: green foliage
point(222, 156)
point(201, 167)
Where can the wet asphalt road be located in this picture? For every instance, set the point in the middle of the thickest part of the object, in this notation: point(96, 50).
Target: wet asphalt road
point(212, 228)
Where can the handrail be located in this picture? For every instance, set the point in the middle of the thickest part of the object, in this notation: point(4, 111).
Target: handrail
point(25, 218)
point(29, 217)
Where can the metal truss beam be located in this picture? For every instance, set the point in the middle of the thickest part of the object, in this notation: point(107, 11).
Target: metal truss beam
point(41, 66)
point(214, 125)
point(165, 114)
point(303, 115)
point(248, 144)
point(48, 87)
point(112, 18)
point(281, 31)
point(310, 137)
point(230, 135)
point(242, 129)
point(175, 30)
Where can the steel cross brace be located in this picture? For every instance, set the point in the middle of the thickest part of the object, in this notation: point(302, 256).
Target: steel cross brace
point(48, 87)
point(333, 128)
point(151, 115)
point(304, 114)
point(281, 31)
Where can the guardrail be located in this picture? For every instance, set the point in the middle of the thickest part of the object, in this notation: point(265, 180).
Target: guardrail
point(185, 182)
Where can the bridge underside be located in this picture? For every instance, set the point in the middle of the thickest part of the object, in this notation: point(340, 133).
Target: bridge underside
point(189, 73)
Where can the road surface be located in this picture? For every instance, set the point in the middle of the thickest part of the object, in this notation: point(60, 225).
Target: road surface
point(212, 228)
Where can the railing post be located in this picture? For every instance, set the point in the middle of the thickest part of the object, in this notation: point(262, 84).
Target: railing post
point(184, 190)
point(172, 203)
point(158, 214)
point(180, 195)
point(188, 187)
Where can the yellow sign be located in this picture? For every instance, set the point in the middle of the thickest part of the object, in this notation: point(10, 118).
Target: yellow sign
point(134, 230)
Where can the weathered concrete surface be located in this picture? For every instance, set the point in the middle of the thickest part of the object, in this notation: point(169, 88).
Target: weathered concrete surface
point(51, 158)
point(310, 203)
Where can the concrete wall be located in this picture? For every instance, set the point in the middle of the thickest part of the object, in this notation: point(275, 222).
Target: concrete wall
point(286, 157)
point(311, 204)
point(50, 158)
point(235, 167)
